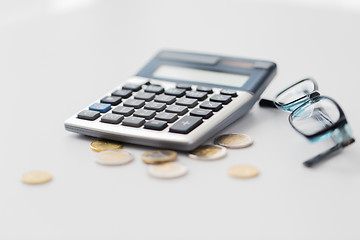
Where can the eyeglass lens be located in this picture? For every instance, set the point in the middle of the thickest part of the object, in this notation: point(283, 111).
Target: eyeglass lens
point(292, 97)
point(314, 116)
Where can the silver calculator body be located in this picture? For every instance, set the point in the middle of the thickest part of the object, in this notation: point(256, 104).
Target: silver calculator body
point(177, 101)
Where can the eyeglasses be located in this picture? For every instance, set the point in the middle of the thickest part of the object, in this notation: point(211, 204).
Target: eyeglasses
point(315, 117)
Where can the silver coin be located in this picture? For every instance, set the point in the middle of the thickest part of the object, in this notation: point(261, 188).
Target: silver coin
point(167, 170)
point(208, 152)
point(159, 156)
point(234, 140)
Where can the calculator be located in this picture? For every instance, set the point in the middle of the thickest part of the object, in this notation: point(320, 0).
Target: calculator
point(177, 101)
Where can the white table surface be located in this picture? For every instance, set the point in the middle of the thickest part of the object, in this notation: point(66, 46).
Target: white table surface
point(56, 57)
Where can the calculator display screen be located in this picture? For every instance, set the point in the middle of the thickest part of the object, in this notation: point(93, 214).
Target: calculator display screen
point(200, 75)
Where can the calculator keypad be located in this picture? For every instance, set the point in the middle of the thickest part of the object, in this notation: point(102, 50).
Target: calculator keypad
point(168, 117)
point(133, 121)
point(132, 86)
point(165, 99)
point(135, 103)
point(176, 108)
point(147, 114)
point(177, 92)
point(204, 113)
point(215, 106)
point(100, 107)
point(112, 118)
point(154, 89)
point(201, 96)
point(224, 99)
point(186, 124)
point(89, 115)
point(122, 93)
point(126, 111)
point(145, 96)
point(155, 106)
point(111, 100)
point(155, 125)
point(179, 110)
point(188, 102)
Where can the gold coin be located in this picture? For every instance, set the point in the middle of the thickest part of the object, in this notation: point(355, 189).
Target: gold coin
point(36, 177)
point(243, 171)
point(102, 145)
point(167, 170)
point(114, 157)
point(234, 140)
point(159, 156)
point(208, 152)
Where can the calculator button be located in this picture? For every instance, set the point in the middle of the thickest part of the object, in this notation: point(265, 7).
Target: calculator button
point(147, 114)
point(215, 106)
point(135, 103)
point(111, 100)
point(175, 92)
point(132, 86)
point(197, 95)
point(155, 106)
point(112, 118)
point(224, 99)
point(89, 115)
point(154, 89)
point(133, 122)
point(165, 99)
point(186, 124)
point(155, 125)
point(183, 86)
point(122, 93)
point(180, 110)
point(189, 102)
point(204, 113)
point(168, 117)
point(204, 89)
point(100, 107)
point(126, 111)
point(145, 96)
point(228, 92)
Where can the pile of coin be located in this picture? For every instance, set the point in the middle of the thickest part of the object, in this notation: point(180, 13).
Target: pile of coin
point(162, 163)
point(102, 145)
point(218, 151)
point(234, 140)
point(110, 153)
point(208, 153)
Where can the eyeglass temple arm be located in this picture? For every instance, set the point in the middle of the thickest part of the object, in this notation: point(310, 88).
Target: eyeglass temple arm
point(267, 103)
point(323, 156)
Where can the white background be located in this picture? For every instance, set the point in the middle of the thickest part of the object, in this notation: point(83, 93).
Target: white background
point(56, 57)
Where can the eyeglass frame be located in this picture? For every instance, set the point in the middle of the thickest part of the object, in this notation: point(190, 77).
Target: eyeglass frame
point(339, 124)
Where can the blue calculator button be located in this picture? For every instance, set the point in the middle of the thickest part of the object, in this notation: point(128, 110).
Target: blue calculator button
point(100, 107)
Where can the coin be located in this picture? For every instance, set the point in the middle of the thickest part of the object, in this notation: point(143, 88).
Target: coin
point(208, 152)
point(167, 170)
point(159, 156)
point(234, 140)
point(36, 177)
point(102, 145)
point(243, 171)
point(114, 157)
